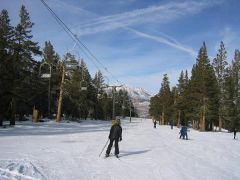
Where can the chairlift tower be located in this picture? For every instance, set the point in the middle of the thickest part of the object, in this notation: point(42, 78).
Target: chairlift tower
point(113, 105)
point(65, 65)
point(130, 104)
point(45, 76)
point(59, 109)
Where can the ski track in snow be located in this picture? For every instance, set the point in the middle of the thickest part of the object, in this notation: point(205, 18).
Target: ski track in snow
point(70, 151)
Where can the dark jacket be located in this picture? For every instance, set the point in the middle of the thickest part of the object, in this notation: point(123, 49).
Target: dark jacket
point(235, 131)
point(115, 132)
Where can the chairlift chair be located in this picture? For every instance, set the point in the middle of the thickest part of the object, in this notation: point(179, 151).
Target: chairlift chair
point(83, 85)
point(71, 66)
point(45, 75)
point(99, 95)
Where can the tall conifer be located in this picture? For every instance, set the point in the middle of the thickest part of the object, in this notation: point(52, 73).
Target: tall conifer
point(6, 64)
point(219, 64)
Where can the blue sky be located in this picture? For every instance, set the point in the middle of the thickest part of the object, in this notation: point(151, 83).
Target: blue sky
point(137, 41)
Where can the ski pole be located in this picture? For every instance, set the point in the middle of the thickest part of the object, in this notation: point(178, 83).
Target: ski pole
point(104, 147)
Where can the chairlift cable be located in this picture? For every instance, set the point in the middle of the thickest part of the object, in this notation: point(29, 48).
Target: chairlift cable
point(76, 39)
point(68, 31)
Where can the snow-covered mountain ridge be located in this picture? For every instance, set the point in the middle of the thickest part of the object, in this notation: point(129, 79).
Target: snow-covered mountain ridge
point(140, 98)
point(138, 93)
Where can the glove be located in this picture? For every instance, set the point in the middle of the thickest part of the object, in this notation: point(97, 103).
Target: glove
point(120, 139)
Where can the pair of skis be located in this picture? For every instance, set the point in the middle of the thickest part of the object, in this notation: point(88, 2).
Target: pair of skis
point(104, 148)
point(107, 156)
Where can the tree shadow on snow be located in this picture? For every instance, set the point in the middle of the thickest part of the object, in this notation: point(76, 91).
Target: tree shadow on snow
point(52, 128)
point(129, 153)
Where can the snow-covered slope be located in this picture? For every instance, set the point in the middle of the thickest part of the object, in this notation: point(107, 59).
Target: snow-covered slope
point(70, 151)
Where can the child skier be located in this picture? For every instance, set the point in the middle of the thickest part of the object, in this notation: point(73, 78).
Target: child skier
point(115, 135)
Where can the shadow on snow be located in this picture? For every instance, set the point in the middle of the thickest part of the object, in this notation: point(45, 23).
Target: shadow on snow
point(129, 153)
point(54, 128)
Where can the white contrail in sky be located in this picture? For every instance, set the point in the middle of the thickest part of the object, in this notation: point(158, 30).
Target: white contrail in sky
point(153, 14)
point(164, 41)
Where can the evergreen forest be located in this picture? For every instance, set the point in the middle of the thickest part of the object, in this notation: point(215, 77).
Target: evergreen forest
point(208, 100)
point(27, 84)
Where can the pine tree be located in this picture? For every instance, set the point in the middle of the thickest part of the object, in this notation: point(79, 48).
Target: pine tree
point(161, 105)
point(98, 80)
point(106, 105)
point(235, 121)
point(175, 113)
point(154, 110)
point(229, 111)
point(72, 87)
point(49, 54)
point(80, 92)
point(98, 83)
point(165, 99)
point(6, 77)
point(180, 86)
point(179, 104)
point(122, 105)
point(91, 93)
point(186, 79)
point(202, 92)
point(52, 58)
point(25, 48)
point(23, 65)
point(219, 64)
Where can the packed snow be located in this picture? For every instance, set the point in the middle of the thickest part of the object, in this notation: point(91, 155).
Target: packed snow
point(70, 151)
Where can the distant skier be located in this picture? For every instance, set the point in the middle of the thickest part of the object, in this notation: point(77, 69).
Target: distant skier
point(171, 124)
point(183, 133)
point(234, 132)
point(155, 123)
point(115, 135)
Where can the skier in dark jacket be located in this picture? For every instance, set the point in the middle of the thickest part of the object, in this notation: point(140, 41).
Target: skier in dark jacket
point(185, 132)
point(155, 123)
point(115, 135)
point(234, 132)
point(181, 133)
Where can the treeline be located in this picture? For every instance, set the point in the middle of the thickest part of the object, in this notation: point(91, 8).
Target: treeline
point(209, 98)
point(22, 86)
